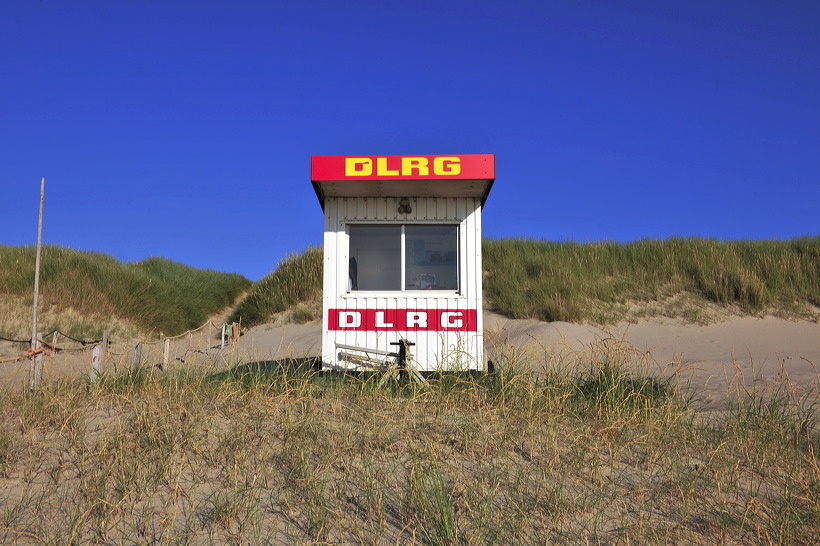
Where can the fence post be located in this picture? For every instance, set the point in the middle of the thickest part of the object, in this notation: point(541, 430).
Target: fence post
point(138, 354)
point(34, 371)
point(104, 349)
point(166, 353)
point(37, 368)
point(235, 333)
point(210, 336)
point(96, 358)
point(224, 332)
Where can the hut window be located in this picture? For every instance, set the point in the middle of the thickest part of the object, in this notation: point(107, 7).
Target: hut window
point(430, 257)
point(403, 257)
point(375, 253)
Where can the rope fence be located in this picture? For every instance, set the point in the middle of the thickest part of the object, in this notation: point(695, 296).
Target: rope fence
point(162, 354)
point(15, 340)
point(51, 333)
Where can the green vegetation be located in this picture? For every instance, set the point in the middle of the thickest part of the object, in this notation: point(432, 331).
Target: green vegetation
point(607, 282)
point(598, 282)
point(595, 449)
point(295, 284)
point(83, 293)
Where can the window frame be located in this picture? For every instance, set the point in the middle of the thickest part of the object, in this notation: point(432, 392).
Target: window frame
point(459, 291)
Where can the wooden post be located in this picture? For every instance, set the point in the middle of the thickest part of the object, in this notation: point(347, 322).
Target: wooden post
point(95, 363)
point(37, 370)
point(224, 332)
point(166, 353)
point(104, 349)
point(33, 377)
point(210, 336)
point(138, 354)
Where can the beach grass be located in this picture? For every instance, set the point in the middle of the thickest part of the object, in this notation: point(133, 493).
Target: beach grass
point(606, 282)
point(600, 447)
point(699, 280)
point(84, 293)
point(295, 286)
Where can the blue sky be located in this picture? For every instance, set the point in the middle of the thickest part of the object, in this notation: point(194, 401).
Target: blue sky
point(185, 129)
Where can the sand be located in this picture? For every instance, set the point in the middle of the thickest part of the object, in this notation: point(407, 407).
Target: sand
point(715, 359)
point(712, 359)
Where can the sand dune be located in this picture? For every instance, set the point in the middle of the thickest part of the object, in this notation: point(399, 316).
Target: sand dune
point(713, 358)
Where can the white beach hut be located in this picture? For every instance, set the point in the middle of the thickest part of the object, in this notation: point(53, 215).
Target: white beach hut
point(402, 258)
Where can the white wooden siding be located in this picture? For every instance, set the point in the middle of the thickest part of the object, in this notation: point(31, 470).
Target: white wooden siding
point(433, 350)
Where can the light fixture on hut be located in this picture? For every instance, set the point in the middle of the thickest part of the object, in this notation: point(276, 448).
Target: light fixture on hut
point(404, 206)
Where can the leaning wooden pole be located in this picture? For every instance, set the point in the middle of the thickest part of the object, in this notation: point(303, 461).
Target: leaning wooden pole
point(34, 377)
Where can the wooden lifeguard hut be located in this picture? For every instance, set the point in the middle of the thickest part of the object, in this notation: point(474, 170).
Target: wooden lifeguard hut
point(402, 259)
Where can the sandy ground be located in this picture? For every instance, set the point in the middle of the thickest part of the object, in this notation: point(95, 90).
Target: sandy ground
point(715, 359)
point(712, 358)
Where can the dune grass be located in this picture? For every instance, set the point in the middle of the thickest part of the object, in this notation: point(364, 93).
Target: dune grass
point(295, 285)
point(598, 449)
point(606, 282)
point(598, 282)
point(83, 293)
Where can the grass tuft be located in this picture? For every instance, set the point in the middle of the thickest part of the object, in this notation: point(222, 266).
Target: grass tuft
point(430, 503)
point(610, 385)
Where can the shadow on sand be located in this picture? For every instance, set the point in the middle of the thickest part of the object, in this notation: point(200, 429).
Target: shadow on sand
point(311, 367)
point(263, 369)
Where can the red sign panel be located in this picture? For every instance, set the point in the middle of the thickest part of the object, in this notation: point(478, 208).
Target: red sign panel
point(403, 167)
point(403, 320)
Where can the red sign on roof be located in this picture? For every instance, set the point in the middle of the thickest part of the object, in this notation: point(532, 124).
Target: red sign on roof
point(403, 167)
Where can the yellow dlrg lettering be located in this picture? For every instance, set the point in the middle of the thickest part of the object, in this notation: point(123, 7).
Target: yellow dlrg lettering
point(446, 165)
point(358, 166)
point(381, 168)
point(419, 164)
